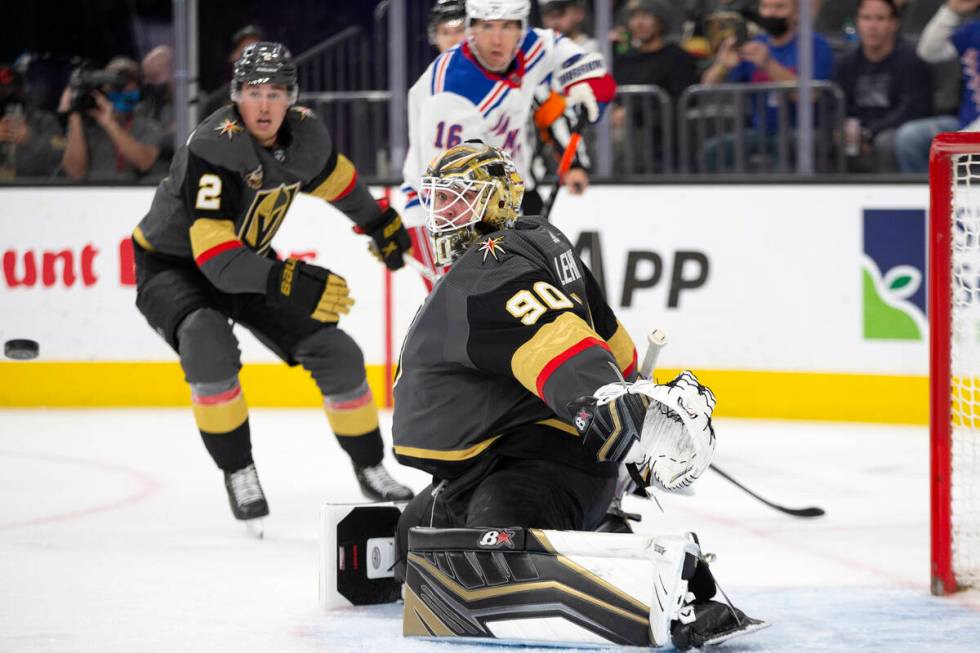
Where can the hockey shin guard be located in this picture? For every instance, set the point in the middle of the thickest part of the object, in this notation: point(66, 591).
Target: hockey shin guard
point(222, 417)
point(353, 418)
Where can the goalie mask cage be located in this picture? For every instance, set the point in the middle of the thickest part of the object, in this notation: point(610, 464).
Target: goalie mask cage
point(954, 373)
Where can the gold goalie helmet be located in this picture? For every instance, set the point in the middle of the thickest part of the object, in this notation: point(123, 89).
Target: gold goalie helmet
point(469, 190)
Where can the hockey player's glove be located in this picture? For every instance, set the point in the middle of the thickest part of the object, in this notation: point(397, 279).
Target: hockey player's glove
point(321, 294)
point(585, 82)
point(391, 240)
point(678, 440)
point(610, 421)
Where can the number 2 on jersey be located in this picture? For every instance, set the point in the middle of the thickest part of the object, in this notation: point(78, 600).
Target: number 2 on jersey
point(453, 137)
point(209, 193)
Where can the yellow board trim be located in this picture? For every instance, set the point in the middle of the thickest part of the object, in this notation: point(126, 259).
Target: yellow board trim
point(337, 181)
point(749, 394)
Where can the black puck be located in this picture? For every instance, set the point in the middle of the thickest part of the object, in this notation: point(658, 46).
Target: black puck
point(21, 349)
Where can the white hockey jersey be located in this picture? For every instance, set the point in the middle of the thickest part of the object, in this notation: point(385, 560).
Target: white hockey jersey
point(457, 99)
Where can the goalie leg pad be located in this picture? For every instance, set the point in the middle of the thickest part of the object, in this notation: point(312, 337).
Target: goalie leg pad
point(541, 586)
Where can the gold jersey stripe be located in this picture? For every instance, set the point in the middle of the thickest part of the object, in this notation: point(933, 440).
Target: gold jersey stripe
point(551, 340)
point(353, 423)
point(454, 454)
point(622, 347)
point(338, 181)
point(560, 425)
point(207, 233)
point(221, 418)
point(141, 240)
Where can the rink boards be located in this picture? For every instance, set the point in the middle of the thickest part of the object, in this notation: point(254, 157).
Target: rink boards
point(791, 301)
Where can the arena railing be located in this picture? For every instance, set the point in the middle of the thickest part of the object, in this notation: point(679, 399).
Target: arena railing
point(358, 123)
point(716, 133)
point(343, 62)
point(644, 143)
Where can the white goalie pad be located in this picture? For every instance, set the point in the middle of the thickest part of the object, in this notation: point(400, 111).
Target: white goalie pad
point(357, 554)
point(677, 442)
point(547, 587)
point(647, 567)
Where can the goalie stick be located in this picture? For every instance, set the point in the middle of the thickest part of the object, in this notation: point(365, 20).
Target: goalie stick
point(656, 340)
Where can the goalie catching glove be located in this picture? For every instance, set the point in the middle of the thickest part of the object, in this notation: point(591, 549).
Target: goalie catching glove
point(663, 428)
point(320, 293)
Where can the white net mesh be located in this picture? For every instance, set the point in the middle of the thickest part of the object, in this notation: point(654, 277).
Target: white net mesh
point(965, 372)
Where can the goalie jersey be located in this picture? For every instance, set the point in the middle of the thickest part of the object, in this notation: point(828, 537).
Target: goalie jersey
point(226, 196)
point(457, 99)
point(516, 330)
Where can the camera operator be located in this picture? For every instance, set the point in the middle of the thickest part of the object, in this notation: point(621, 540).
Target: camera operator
point(110, 137)
point(30, 139)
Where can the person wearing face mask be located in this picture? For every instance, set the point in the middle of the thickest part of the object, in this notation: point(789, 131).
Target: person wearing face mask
point(769, 57)
point(115, 140)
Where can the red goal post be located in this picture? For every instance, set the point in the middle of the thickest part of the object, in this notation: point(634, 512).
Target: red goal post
point(954, 366)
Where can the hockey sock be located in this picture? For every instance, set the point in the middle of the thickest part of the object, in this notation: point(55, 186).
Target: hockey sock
point(222, 417)
point(354, 420)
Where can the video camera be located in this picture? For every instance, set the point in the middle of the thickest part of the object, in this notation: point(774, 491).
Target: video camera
point(85, 81)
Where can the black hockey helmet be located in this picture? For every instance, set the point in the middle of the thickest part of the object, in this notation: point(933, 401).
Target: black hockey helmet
point(444, 11)
point(265, 63)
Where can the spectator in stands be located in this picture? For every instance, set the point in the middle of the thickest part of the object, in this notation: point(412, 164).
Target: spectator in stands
point(116, 140)
point(567, 17)
point(949, 34)
point(30, 139)
point(158, 90)
point(651, 60)
point(770, 57)
point(886, 85)
point(240, 40)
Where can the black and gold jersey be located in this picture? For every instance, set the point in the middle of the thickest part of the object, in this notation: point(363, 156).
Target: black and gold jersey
point(226, 196)
point(516, 330)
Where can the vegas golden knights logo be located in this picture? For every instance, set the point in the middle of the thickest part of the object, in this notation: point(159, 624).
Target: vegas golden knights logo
point(265, 216)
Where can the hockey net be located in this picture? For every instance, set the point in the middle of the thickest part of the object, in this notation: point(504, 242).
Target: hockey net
point(954, 242)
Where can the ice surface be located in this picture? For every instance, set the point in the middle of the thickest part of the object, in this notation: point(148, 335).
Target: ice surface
point(115, 535)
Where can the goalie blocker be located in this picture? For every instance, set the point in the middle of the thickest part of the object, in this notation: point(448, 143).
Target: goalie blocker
point(527, 586)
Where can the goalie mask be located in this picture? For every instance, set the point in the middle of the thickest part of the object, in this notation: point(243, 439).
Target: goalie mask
point(468, 190)
point(265, 63)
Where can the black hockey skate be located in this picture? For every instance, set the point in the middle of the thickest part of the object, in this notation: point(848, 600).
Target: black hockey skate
point(711, 622)
point(245, 494)
point(704, 622)
point(378, 485)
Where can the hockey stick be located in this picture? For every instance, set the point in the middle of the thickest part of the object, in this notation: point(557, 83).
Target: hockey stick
point(567, 157)
point(656, 340)
point(421, 268)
